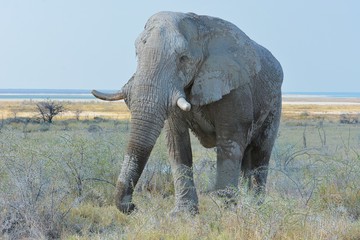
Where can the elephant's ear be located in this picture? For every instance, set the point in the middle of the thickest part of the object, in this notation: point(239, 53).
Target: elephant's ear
point(230, 64)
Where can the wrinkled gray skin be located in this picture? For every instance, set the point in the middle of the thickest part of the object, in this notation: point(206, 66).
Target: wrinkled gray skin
point(200, 73)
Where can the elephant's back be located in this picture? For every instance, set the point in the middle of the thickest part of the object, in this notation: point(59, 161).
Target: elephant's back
point(270, 67)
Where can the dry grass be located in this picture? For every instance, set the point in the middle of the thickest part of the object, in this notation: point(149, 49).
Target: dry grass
point(56, 181)
point(316, 111)
point(86, 109)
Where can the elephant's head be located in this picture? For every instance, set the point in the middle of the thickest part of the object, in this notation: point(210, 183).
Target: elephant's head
point(183, 60)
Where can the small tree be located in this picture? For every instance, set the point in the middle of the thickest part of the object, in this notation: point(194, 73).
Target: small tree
point(77, 114)
point(49, 109)
point(15, 112)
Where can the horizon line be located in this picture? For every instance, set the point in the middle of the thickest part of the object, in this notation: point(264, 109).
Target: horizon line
point(87, 89)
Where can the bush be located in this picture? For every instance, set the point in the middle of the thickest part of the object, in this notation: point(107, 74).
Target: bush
point(45, 176)
point(33, 192)
point(349, 119)
point(94, 129)
point(49, 109)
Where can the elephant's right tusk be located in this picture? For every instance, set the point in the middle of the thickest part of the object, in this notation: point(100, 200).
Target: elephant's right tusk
point(183, 104)
point(108, 96)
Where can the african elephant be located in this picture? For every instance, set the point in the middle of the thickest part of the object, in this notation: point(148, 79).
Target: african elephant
point(200, 73)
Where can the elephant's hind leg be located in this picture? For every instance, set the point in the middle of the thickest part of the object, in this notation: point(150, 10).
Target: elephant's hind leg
point(255, 168)
point(257, 156)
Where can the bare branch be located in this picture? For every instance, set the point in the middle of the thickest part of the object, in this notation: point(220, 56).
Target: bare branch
point(49, 109)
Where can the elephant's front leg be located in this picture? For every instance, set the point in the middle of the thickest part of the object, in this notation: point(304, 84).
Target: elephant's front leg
point(186, 199)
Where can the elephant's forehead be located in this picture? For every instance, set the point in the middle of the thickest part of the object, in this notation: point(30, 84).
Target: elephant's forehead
point(165, 17)
point(161, 36)
point(161, 32)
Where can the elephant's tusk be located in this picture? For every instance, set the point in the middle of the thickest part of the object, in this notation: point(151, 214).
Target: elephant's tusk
point(109, 97)
point(183, 104)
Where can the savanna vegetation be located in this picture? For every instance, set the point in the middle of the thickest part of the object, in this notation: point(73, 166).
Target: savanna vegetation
point(57, 180)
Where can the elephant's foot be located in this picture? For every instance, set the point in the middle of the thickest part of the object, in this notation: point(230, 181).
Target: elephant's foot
point(126, 208)
point(123, 201)
point(186, 199)
point(258, 193)
point(185, 208)
point(229, 192)
point(228, 196)
point(259, 197)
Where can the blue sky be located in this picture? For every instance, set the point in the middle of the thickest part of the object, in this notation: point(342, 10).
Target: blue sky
point(86, 44)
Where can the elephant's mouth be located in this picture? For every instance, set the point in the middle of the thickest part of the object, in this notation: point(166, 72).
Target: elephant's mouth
point(188, 87)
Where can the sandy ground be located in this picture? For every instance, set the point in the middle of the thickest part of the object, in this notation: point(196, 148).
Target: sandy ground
point(320, 101)
point(316, 108)
point(293, 108)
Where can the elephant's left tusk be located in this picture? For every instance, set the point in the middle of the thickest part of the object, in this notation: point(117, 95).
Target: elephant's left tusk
point(109, 97)
point(183, 104)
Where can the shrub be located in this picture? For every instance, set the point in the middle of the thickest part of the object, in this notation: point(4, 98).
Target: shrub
point(49, 109)
point(45, 176)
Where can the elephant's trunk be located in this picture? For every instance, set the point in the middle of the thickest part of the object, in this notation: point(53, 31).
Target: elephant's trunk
point(146, 124)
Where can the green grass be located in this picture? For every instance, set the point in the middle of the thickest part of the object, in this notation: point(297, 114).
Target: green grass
point(56, 181)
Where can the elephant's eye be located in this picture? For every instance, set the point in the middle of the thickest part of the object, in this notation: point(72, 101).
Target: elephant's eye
point(183, 59)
